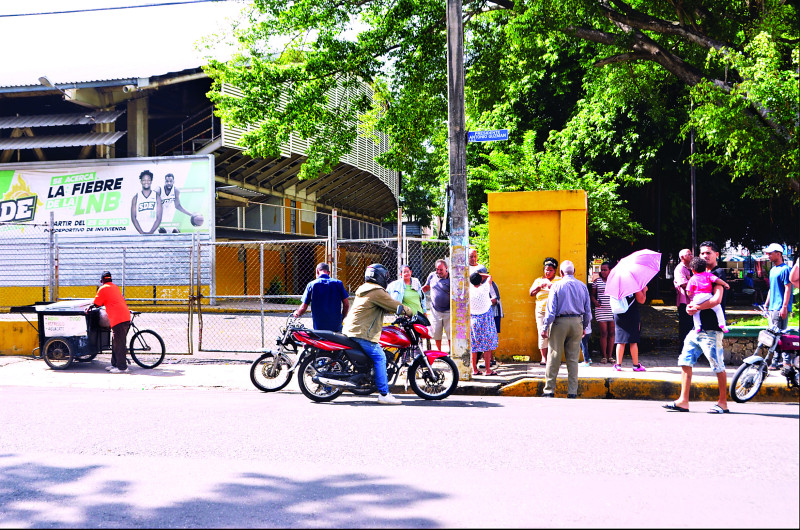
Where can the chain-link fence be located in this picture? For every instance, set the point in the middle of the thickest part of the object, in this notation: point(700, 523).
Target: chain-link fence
point(26, 264)
point(257, 285)
point(354, 255)
point(158, 276)
point(196, 294)
point(421, 255)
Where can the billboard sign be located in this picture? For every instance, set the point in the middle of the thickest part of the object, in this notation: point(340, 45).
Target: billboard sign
point(127, 196)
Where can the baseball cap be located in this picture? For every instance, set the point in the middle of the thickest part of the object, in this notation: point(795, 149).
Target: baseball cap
point(106, 276)
point(774, 247)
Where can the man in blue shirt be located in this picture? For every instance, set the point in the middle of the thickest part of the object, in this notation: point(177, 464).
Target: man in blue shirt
point(328, 300)
point(779, 297)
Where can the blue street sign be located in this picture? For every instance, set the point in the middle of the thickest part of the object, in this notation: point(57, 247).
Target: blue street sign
point(487, 136)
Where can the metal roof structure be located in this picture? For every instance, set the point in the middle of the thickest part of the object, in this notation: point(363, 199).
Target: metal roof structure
point(60, 140)
point(52, 120)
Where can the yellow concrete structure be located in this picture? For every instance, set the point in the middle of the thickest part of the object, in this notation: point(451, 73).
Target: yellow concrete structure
point(525, 227)
point(18, 337)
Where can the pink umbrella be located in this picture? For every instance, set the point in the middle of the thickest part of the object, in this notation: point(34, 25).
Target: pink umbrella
point(632, 273)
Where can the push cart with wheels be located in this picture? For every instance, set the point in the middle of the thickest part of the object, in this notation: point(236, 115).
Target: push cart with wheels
point(69, 333)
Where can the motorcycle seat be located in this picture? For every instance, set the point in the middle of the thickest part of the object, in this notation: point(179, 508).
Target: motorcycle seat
point(338, 338)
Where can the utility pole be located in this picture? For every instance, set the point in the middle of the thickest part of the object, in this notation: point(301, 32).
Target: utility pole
point(459, 233)
point(694, 193)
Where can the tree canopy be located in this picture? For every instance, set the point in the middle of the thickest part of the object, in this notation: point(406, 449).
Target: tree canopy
point(597, 94)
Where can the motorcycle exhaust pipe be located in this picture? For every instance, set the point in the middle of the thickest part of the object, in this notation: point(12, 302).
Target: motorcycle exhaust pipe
point(333, 382)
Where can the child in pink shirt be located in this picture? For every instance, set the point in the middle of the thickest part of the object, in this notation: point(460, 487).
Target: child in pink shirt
point(700, 289)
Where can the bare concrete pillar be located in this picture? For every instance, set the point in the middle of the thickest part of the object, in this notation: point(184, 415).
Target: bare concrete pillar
point(138, 139)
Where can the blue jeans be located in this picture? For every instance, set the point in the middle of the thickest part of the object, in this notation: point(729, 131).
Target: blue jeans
point(375, 352)
point(587, 358)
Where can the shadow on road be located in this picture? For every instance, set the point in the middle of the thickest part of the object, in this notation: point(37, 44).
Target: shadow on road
point(741, 409)
point(33, 495)
point(417, 402)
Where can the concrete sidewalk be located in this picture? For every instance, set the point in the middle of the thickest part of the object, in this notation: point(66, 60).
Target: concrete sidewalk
point(231, 371)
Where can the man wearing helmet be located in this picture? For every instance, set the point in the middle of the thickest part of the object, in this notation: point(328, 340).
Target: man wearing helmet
point(364, 322)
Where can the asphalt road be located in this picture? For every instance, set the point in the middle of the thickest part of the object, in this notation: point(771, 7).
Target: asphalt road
point(83, 457)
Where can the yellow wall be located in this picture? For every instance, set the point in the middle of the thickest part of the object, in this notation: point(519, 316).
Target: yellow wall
point(525, 227)
point(18, 338)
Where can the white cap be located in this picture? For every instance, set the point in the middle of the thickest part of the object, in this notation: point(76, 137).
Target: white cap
point(774, 247)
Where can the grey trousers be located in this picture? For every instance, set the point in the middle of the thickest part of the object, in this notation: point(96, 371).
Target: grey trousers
point(565, 339)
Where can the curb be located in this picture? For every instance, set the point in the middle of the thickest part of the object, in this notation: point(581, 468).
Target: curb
point(643, 389)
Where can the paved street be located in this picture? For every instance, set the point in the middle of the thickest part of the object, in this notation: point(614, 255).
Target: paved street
point(88, 457)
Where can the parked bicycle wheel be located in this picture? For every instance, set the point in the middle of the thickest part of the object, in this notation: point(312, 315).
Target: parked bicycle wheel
point(147, 348)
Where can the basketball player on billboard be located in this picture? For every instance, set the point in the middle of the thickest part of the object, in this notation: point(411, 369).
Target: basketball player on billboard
point(171, 201)
point(146, 206)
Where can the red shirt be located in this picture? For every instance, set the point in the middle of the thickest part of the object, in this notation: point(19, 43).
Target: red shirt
point(110, 296)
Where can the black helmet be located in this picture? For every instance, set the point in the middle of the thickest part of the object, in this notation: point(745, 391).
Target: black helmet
point(376, 273)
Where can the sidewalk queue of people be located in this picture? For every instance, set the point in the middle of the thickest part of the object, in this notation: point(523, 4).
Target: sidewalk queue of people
point(562, 309)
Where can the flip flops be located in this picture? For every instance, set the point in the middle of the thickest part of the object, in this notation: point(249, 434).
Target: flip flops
point(673, 407)
point(492, 373)
point(716, 409)
point(477, 373)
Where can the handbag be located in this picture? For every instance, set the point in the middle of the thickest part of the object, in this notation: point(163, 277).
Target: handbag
point(618, 306)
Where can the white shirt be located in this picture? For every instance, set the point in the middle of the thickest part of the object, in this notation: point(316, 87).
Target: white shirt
point(146, 210)
point(167, 205)
point(480, 299)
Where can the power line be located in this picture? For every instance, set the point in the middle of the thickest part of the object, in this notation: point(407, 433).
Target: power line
point(109, 8)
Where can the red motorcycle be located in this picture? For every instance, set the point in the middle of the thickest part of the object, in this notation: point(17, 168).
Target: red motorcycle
point(334, 363)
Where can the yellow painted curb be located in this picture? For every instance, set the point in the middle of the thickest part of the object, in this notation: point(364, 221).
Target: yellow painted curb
point(651, 389)
point(588, 387)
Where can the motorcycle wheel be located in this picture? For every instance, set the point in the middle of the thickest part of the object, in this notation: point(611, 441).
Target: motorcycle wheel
point(310, 367)
point(270, 373)
point(747, 381)
point(438, 385)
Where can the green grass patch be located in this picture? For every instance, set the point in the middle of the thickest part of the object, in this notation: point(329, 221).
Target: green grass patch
point(758, 321)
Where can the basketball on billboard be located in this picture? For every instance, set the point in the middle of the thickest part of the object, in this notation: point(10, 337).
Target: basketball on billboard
point(197, 220)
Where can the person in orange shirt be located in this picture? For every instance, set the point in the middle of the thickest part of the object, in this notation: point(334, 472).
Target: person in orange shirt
point(119, 316)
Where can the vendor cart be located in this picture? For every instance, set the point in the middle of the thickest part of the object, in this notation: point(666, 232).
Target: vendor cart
point(76, 331)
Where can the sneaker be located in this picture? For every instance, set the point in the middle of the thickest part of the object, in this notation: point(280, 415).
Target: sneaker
point(638, 368)
point(115, 370)
point(109, 367)
point(388, 399)
point(586, 363)
point(572, 396)
point(618, 368)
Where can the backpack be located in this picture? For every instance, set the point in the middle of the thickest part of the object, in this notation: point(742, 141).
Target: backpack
point(618, 306)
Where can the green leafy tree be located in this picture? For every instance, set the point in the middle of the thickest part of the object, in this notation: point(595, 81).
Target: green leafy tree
point(596, 93)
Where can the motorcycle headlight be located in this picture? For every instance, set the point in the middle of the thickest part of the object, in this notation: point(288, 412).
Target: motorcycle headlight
point(766, 338)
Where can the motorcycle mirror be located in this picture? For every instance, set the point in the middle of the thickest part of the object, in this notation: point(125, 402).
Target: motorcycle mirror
point(400, 310)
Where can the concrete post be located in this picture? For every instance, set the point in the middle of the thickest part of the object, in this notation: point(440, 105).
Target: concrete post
point(459, 233)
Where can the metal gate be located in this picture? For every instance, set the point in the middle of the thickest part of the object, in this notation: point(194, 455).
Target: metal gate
point(157, 276)
point(259, 284)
